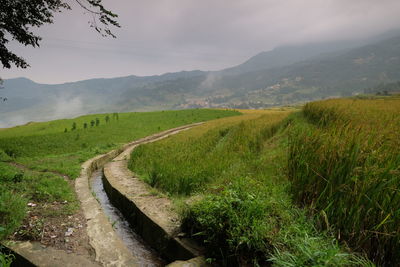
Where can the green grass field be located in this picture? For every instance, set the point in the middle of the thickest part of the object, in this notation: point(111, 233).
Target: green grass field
point(35, 158)
point(234, 170)
point(45, 146)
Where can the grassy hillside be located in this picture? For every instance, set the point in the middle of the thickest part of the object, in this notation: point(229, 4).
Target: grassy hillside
point(344, 163)
point(46, 146)
point(234, 172)
point(38, 161)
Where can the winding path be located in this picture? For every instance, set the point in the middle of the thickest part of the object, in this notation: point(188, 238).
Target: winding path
point(109, 248)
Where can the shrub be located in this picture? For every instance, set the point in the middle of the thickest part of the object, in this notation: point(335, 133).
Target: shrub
point(10, 174)
point(4, 156)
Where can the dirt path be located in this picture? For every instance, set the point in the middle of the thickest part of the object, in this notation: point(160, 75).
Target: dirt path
point(23, 167)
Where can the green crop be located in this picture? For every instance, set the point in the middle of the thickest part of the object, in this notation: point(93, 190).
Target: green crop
point(233, 173)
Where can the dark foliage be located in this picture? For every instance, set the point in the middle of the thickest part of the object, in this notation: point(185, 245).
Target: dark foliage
point(18, 17)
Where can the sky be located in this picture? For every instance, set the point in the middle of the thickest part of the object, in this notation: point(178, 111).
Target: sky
point(159, 36)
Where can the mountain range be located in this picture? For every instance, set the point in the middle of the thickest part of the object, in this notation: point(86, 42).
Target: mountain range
point(283, 76)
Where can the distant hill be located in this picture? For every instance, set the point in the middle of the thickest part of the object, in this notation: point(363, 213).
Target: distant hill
point(384, 89)
point(30, 101)
point(287, 55)
point(282, 76)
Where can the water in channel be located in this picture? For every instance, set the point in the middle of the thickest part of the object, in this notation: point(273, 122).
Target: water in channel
point(145, 255)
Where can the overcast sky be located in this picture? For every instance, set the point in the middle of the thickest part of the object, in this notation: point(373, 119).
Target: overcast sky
point(159, 36)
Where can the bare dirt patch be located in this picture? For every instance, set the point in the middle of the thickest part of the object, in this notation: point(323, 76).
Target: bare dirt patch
point(66, 232)
point(48, 223)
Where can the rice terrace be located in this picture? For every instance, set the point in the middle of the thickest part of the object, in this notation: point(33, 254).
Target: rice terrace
point(284, 186)
point(189, 133)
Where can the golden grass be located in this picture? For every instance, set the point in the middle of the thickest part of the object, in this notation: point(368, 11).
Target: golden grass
point(346, 164)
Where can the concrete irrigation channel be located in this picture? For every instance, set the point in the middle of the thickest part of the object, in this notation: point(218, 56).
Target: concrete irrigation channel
point(151, 217)
point(147, 229)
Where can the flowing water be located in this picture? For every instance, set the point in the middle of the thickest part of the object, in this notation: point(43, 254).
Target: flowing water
point(145, 255)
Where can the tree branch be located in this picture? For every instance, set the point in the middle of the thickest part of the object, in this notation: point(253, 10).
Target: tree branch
point(18, 16)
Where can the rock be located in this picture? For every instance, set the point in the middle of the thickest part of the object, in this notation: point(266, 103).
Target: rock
point(195, 262)
point(69, 232)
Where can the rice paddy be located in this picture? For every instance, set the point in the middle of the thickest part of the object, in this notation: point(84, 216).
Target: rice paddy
point(312, 187)
point(233, 174)
point(344, 164)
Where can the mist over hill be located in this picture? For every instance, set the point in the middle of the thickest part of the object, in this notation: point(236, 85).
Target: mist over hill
point(285, 75)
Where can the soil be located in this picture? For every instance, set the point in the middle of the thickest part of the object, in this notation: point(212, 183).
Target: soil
point(61, 232)
point(46, 225)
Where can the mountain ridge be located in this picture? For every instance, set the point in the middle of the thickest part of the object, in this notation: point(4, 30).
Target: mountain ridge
point(282, 76)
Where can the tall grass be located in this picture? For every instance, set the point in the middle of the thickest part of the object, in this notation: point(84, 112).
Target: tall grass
point(185, 163)
point(344, 162)
point(241, 208)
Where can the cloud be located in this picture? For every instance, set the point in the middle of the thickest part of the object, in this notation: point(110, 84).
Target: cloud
point(160, 36)
point(209, 81)
point(58, 108)
point(12, 120)
point(65, 107)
